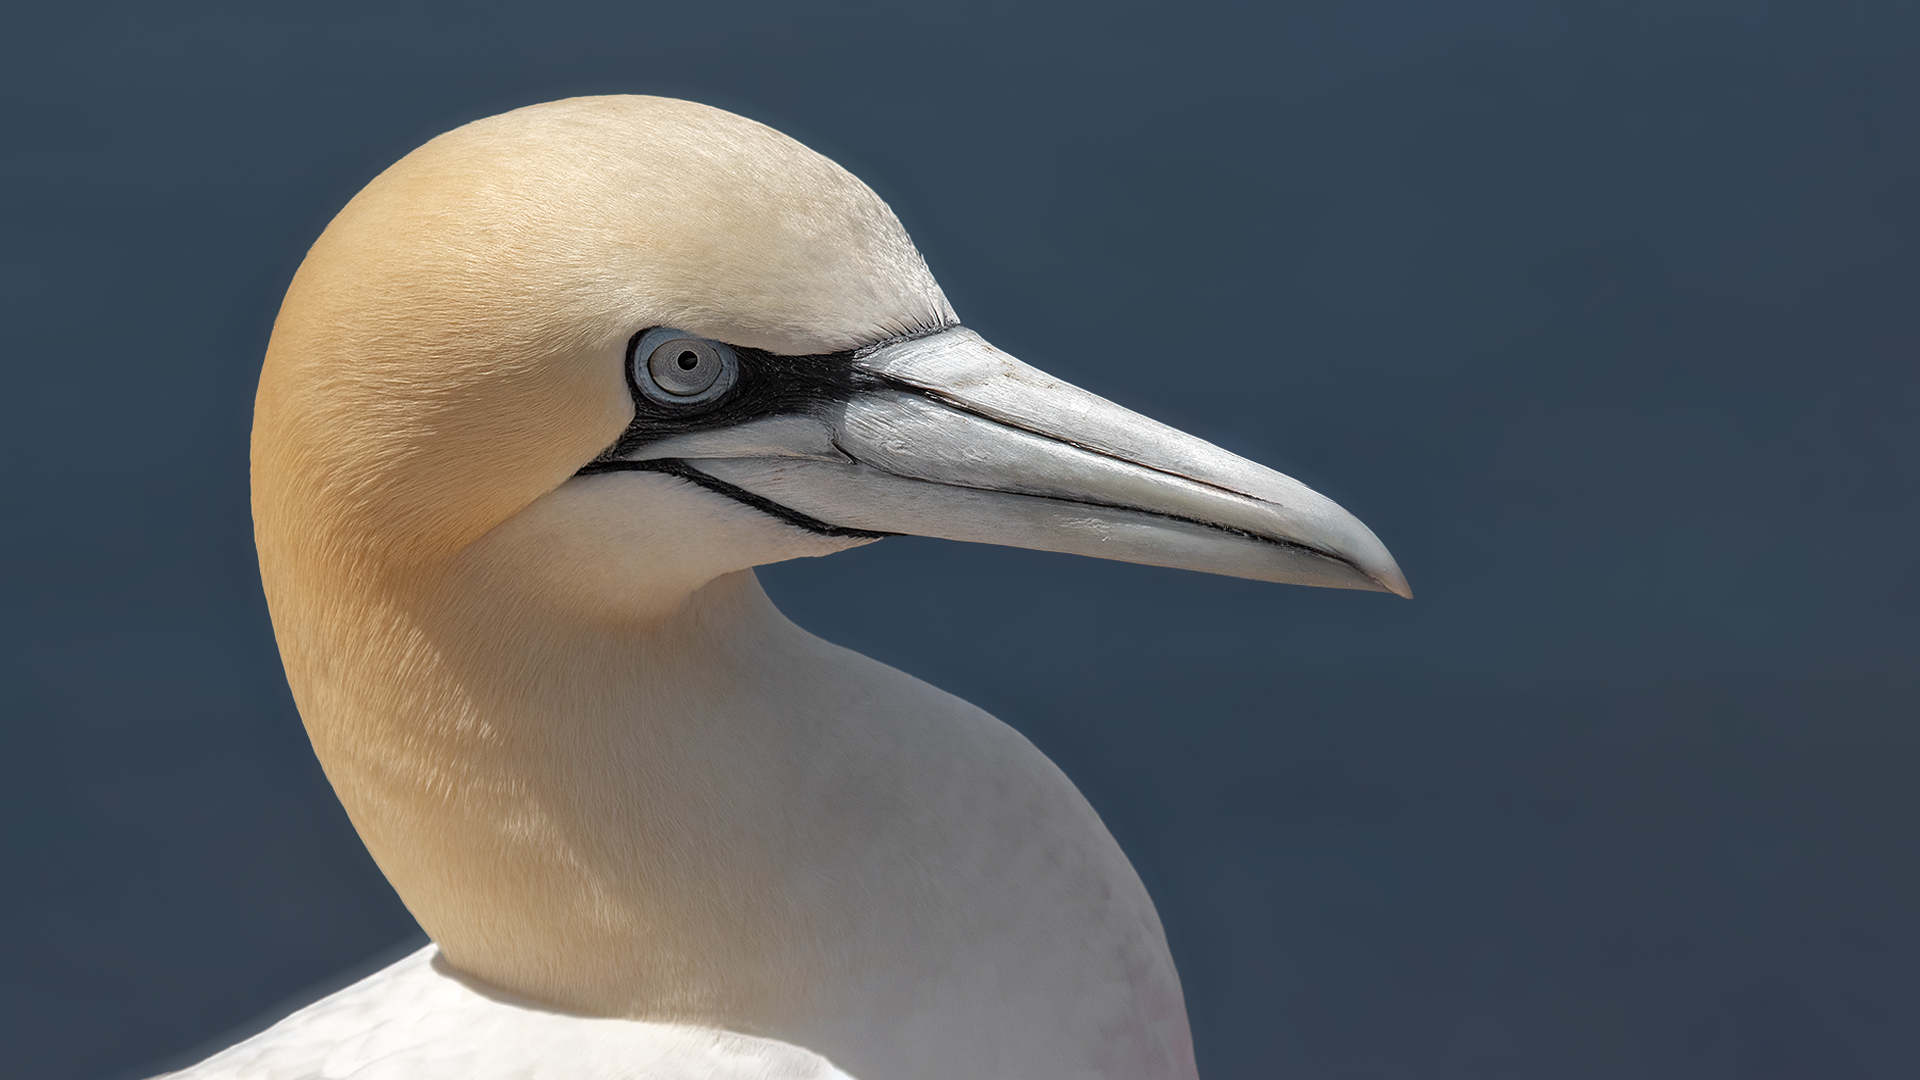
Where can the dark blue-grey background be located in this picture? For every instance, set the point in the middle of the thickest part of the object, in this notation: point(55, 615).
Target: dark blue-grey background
point(1603, 315)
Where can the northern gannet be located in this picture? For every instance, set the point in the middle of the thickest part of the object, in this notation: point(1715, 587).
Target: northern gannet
point(536, 402)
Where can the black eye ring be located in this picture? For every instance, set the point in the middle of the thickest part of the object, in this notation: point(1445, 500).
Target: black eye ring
point(677, 369)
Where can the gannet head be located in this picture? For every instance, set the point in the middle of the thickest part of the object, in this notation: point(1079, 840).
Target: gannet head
point(534, 400)
point(658, 342)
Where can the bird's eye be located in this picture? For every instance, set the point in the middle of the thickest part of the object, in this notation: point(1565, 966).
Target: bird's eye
point(676, 369)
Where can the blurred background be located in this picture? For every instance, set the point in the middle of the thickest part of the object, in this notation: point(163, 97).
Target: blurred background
point(1603, 315)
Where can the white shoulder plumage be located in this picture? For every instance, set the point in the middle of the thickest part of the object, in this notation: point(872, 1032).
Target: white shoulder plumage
point(419, 1020)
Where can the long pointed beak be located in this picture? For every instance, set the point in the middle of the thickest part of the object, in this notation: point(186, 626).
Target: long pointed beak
point(956, 439)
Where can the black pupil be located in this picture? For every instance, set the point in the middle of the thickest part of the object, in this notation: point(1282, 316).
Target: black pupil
point(689, 361)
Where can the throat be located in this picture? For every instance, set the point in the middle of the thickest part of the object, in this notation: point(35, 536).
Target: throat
point(714, 817)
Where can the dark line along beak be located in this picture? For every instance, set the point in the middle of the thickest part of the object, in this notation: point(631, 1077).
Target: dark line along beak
point(964, 442)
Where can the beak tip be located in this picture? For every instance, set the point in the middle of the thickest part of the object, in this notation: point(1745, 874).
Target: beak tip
point(1386, 579)
point(1360, 549)
point(1391, 579)
point(1384, 572)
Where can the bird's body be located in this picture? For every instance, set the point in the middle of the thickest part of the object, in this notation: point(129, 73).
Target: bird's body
point(536, 403)
point(420, 1018)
